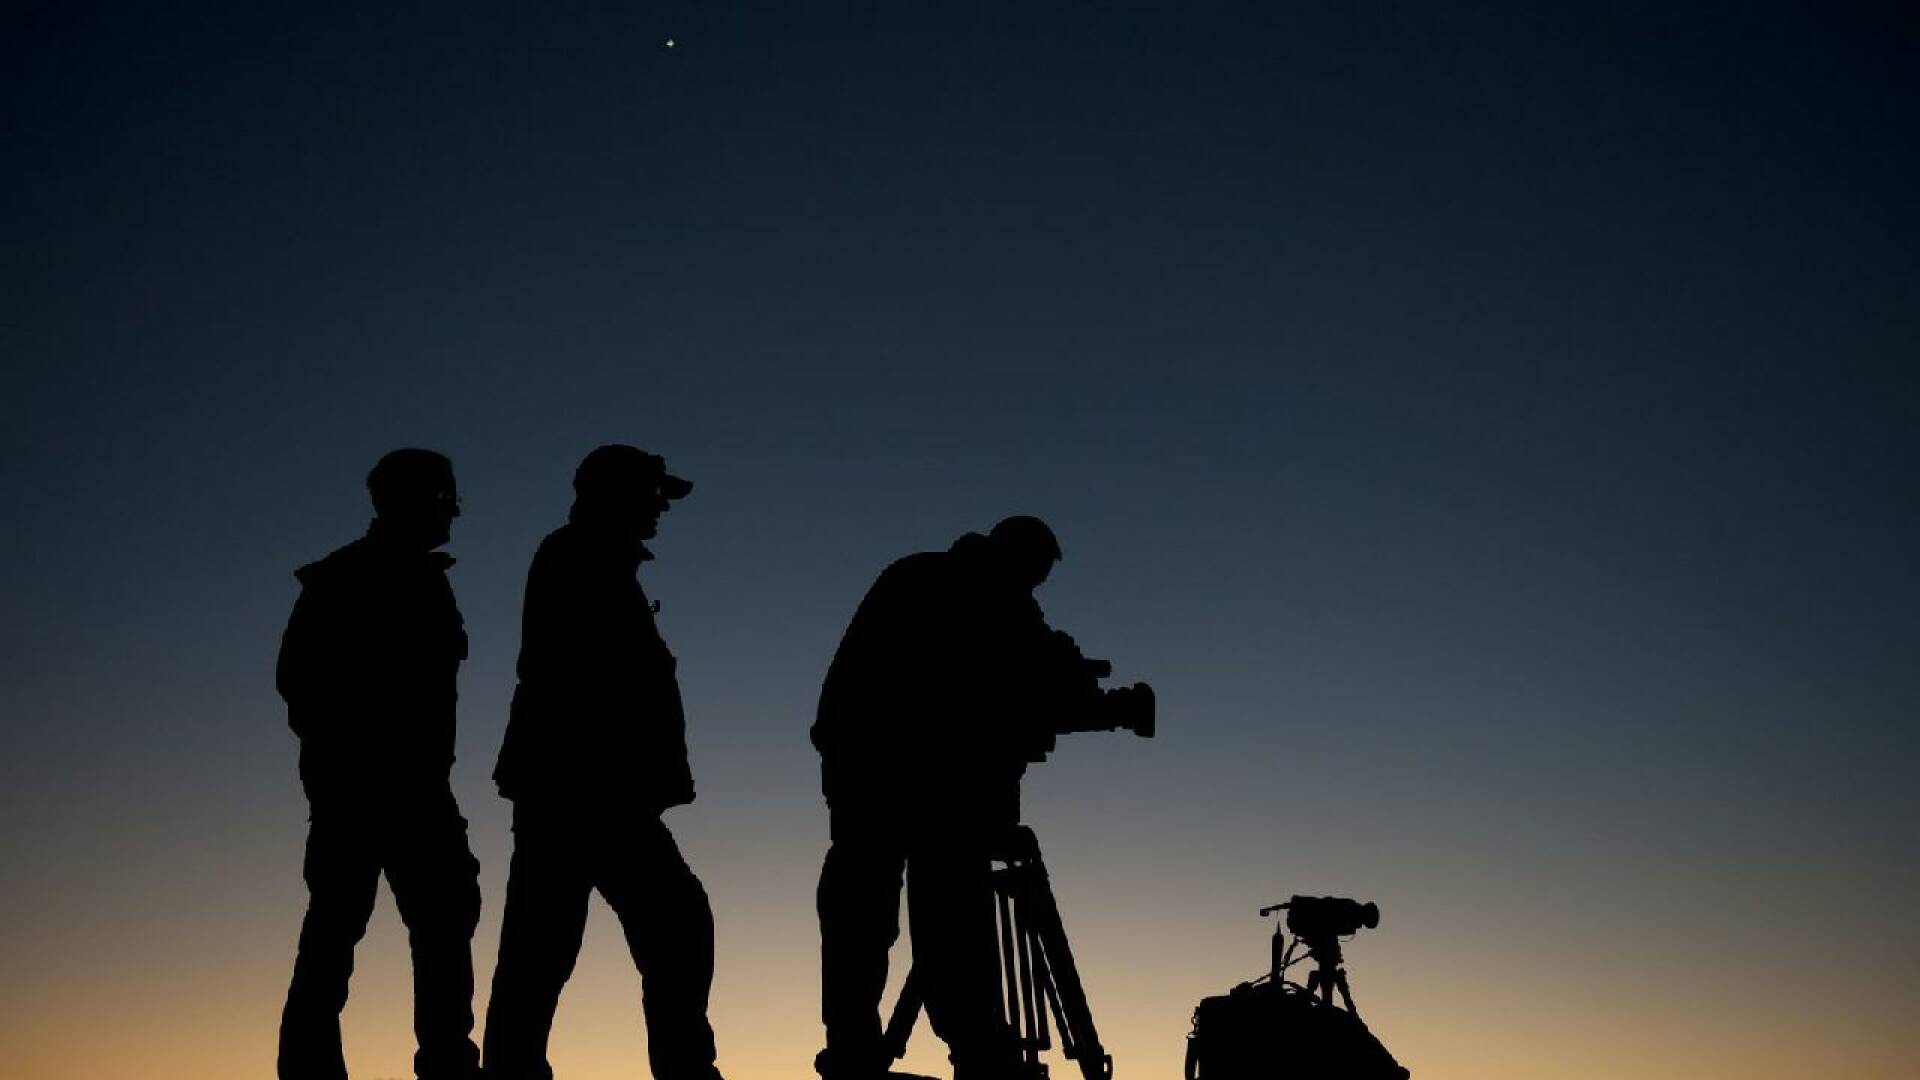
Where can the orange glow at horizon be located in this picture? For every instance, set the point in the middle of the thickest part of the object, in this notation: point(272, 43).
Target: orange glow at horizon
point(180, 999)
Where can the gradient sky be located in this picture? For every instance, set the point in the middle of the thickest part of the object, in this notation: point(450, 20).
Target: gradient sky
point(1492, 431)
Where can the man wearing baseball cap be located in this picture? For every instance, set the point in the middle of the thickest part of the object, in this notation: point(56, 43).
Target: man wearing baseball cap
point(595, 751)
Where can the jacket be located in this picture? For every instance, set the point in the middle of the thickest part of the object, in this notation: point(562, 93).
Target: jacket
point(369, 667)
point(597, 717)
point(928, 701)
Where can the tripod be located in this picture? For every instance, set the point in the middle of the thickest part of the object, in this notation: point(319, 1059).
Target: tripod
point(1324, 949)
point(1037, 964)
point(1327, 975)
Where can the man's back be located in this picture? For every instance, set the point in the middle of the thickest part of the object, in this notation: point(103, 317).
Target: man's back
point(921, 702)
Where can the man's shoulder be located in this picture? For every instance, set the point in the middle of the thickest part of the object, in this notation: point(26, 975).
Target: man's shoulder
point(911, 573)
point(555, 544)
point(364, 564)
point(566, 553)
point(337, 567)
point(920, 562)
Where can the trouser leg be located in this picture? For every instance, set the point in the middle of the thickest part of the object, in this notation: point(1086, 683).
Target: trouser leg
point(859, 906)
point(668, 923)
point(343, 875)
point(956, 953)
point(436, 885)
point(540, 933)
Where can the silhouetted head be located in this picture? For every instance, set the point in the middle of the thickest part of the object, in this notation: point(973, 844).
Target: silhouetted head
point(414, 500)
point(626, 489)
point(1025, 549)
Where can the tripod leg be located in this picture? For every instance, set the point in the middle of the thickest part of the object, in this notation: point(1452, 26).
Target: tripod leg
point(905, 1012)
point(1076, 1020)
point(1052, 992)
point(1010, 1002)
point(1030, 1038)
point(1044, 997)
point(1340, 980)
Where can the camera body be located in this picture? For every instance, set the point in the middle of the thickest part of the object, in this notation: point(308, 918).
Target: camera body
point(1311, 917)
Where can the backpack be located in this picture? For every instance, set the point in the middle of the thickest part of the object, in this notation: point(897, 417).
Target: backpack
point(1271, 1030)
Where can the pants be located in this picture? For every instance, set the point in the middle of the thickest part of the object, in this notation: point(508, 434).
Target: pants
point(558, 861)
point(955, 947)
point(422, 849)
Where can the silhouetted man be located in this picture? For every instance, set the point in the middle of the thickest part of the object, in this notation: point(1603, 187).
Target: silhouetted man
point(935, 701)
point(368, 668)
point(595, 751)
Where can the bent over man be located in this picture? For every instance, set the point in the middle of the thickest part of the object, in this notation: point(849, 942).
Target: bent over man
point(935, 702)
point(368, 668)
point(595, 751)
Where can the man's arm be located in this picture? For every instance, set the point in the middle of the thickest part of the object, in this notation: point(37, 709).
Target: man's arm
point(297, 674)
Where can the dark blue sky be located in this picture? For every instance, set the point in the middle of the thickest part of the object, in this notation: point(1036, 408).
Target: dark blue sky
point(1493, 430)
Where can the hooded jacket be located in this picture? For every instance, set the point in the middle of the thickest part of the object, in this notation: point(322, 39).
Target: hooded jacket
point(369, 669)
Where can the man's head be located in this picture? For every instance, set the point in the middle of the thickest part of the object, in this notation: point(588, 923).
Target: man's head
point(1025, 549)
point(414, 499)
point(625, 488)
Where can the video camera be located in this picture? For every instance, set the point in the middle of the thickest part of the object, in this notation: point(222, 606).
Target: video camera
point(1071, 699)
point(1310, 917)
point(1099, 708)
